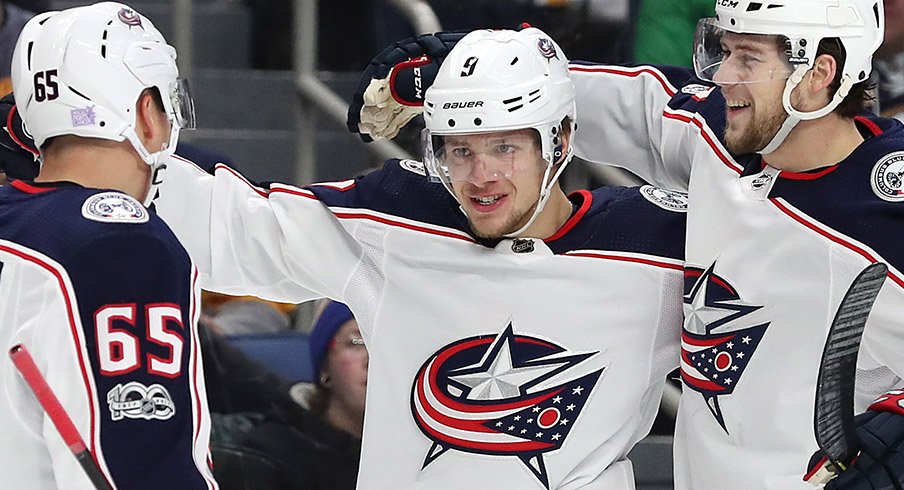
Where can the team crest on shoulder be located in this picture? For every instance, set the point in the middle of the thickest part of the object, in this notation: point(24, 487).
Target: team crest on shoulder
point(665, 199)
point(887, 179)
point(114, 207)
point(413, 166)
point(699, 92)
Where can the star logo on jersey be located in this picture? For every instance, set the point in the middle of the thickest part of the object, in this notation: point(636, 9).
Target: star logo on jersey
point(714, 354)
point(503, 395)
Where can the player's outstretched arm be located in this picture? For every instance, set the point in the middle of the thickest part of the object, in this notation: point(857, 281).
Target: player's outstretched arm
point(880, 464)
point(391, 90)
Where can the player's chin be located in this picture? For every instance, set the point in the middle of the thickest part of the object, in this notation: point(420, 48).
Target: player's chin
point(486, 227)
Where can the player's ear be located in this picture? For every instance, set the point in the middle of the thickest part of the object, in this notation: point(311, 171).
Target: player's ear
point(564, 137)
point(151, 123)
point(822, 74)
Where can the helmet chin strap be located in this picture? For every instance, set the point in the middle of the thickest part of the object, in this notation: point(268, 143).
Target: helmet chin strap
point(156, 160)
point(545, 191)
point(795, 116)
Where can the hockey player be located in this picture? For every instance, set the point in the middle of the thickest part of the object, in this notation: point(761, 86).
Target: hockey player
point(791, 193)
point(93, 284)
point(516, 335)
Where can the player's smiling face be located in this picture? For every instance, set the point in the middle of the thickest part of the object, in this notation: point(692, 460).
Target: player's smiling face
point(496, 178)
point(752, 77)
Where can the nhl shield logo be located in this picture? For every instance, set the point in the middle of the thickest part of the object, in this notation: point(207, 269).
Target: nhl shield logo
point(114, 207)
point(887, 179)
point(503, 395)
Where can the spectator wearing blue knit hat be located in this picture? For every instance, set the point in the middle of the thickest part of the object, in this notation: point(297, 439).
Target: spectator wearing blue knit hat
point(317, 444)
point(339, 359)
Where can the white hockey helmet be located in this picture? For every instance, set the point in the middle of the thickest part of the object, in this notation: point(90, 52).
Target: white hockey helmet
point(502, 80)
point(858, 24)
point(81, 71)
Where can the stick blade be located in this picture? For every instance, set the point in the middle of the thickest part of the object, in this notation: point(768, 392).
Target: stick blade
point(834, 414)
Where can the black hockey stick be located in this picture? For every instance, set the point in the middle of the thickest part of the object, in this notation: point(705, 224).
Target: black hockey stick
point(51, 404)
point(834, 415)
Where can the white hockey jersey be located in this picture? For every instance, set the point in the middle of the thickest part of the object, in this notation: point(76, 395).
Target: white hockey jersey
point(514, 365)
point(769, 256)
point(106, 300)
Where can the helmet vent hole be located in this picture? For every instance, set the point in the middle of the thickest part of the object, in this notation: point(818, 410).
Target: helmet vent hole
point(733, 22)
point(30, 46)
point(514, 60)
point(754, 6)
point(514, 100)
point(104, 36)
point(477, 121)
point(862, 75)
point(43, 21)
point(451, 123)
point(103, 51)
point(102, 124)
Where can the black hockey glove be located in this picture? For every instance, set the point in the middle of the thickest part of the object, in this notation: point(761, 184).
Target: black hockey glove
point(18, 156)
point(880, 464)
point(391, 89)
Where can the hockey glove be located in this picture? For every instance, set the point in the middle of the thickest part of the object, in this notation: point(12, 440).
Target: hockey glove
point(391, 89)
point(18, 156)
point(880, 464)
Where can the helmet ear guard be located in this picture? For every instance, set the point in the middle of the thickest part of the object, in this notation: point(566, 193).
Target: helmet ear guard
point(81, 71)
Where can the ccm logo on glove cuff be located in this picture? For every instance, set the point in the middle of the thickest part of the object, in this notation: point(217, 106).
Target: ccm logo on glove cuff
point(893, 401)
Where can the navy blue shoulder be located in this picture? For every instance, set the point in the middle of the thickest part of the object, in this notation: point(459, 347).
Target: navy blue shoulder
point(57, 221)
point(863, 196)
point(400, 188)
point(644, 220)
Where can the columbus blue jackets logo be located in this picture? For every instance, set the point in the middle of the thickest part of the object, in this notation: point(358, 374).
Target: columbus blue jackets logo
point(887, 178)
point(503, 395)
point(114, 207)
point(665, 199)
point(547, 48)
point(718, 340)
point(129, 17)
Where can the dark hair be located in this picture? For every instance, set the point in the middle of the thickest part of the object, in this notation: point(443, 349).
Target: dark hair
point(860, 95)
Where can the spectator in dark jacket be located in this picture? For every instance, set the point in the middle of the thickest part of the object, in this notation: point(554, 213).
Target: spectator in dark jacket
point(317, 444)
